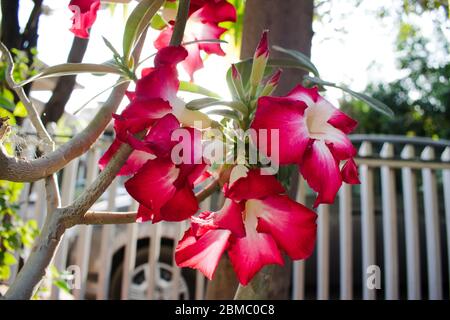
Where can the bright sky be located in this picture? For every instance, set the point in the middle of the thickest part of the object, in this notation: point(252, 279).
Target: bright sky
point(365, 52)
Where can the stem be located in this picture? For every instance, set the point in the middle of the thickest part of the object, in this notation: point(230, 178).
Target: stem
point(258, 288)
point(180, 23)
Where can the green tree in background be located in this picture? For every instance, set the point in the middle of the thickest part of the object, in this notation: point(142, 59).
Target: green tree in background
point(420, 98)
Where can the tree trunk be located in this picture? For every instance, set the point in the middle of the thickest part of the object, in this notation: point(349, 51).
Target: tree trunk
point(54, 108)
point(224, 284)
point(10, 32)
point(290, 26)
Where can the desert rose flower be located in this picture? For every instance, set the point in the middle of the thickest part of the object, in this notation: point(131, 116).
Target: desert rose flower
point(85, 14)
point(312, 134)
point(203, 24)
point(163, 185)
point(152, 99)
point(257, 223)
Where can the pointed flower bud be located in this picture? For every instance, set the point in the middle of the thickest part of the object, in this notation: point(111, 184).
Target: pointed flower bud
point(263, 46)
point(271, 83)
point(237, 82)
point(259, 63)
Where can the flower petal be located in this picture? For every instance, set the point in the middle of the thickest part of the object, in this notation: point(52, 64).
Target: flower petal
point(85, 14)
point(144, 214)
point(254, 186)
point(350, 172)
point(287, 116)
point(230, 217)
point(134, 162)
point(342, 121)
point(321, 171)
point(180, 207)
point(292, 225)
point(252, 252)
point(203, 253)
point(153, 184)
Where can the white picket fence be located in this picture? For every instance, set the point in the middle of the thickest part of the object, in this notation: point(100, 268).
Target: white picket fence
point(396, 222)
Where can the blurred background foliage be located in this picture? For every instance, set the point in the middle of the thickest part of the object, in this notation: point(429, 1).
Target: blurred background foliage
point(420, 98)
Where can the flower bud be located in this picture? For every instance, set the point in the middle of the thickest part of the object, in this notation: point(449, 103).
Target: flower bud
point(237, 82)
point(259, 61)
point(271, 83)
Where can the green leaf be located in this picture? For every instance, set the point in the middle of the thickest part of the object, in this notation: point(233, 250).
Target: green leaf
point(7, 94)
point(7, 104)
point(227, 113)
point(158, 22)
point(204, 41)
point(194, 88)
point(137, 22)
point(370, 101)
point(199, 104)
point(111, 47)
point(8, 259)
point(72, 69)
point(20, 110)
point(62, 284)
point(301, 58)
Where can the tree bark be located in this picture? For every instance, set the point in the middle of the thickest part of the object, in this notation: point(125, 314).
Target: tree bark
point(290, 26)
point(10, 33)
point(54, 108)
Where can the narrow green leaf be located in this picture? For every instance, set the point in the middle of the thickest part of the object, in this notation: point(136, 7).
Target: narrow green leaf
point(7, 104)
point(370, 101)
point(72, 69)
point(204, 41)
point(301, 58)
point(99, 94)
point(202, 103)
point(194, 88)
point(111, 47)
point(137, 22)
point(227, 113)
point(61, 284)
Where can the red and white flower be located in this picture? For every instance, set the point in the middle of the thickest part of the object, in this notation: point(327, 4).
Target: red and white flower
point(84, 16)
point(154, 97)
point(257, 222)
point(162, 187)
point(203, 24)
point(312, 134)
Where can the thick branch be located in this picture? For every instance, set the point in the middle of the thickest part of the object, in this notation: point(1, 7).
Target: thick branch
point(19, 170)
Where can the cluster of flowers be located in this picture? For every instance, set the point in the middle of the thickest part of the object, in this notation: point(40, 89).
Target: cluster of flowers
point(258, 220)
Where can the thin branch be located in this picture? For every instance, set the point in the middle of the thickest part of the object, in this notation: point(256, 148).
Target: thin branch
point(98, 217)
point(208, 190)
point(103, 217)
point(31, 110)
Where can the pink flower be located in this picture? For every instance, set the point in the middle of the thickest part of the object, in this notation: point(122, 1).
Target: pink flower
point(154, 97)
point(312, 134)
point(203, 24)
point(162, 187)
point(85, 14)
point(257, 222)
